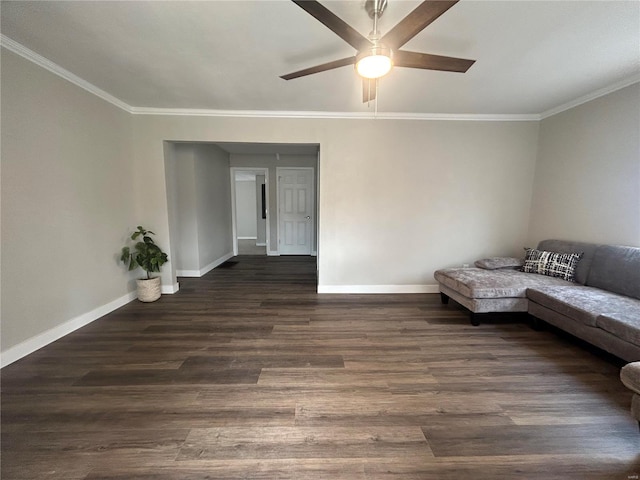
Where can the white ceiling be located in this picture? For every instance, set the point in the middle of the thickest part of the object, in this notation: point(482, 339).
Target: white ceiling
point(531, 56)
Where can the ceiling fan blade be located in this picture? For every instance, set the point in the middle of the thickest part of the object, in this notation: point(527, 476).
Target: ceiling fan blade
point(369, 88)
point(334, 23)
point(415, 22)
point(320, 68)
point(427, 61)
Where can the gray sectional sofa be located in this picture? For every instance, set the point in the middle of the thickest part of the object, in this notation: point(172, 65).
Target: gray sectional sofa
point(601, 305)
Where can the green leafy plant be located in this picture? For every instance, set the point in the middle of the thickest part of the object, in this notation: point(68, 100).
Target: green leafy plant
point(145, 254)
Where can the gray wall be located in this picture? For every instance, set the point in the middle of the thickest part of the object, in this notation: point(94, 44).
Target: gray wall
point(213, 186)
point(587, 181)
point(185, 244)
point(69, 202)
point(199, 200)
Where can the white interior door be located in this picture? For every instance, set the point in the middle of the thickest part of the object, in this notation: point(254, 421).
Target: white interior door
point(295, 211)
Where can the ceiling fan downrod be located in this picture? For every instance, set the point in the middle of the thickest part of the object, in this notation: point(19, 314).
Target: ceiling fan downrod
point(375, 9)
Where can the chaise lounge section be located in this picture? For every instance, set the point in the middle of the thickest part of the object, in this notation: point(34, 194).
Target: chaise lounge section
point(601, 304)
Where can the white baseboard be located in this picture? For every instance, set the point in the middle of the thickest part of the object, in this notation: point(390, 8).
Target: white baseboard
point(45, 338)
point(204, 270)
point(276, 253)
point(216, 263)
point(169, 289)
point(378, 289)
point(188, 273)
point(247, 238)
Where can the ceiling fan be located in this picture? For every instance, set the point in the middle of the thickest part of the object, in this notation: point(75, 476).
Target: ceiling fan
point(377, 54)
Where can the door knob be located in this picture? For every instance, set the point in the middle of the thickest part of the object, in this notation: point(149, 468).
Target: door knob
point(308, 217)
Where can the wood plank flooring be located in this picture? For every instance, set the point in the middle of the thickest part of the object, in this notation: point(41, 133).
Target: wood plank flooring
point(247, 373)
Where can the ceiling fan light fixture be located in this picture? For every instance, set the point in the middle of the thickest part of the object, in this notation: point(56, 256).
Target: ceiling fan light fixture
point(374, 62)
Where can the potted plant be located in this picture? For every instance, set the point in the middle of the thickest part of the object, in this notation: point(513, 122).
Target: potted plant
point(148, 256)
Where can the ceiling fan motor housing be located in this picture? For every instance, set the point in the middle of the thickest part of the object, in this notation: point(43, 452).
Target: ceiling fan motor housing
point(375, 7)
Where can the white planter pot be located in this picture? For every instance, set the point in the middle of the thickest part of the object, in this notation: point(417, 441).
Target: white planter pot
point(149, 289)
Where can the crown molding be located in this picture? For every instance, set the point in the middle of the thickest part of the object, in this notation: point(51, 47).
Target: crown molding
point(47, 64)
point(56, 69)
point(591, 96)
point(30, 55)
point(334, 115)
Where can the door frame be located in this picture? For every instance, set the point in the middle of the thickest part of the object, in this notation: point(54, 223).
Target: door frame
point(234, 224)
point(314, 213)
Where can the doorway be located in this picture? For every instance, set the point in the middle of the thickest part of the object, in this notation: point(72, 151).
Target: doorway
point(266, 159)
point(250, 210)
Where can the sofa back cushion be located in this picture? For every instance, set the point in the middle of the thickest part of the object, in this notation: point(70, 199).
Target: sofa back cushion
point(617, 269)
point(563, 246)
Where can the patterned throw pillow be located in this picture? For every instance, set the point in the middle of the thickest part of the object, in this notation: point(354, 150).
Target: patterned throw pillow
point(552, 264)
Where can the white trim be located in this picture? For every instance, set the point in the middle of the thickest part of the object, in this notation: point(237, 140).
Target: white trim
point(247, 238)
point(234, 222)
point(591, 96)
point(170, 289)
point(196, 112)
point(188, 273)
point(45, 338)
point(205, 270)
point(378, 289)
point(273, 253)
point(261, 244)
point(56, 69)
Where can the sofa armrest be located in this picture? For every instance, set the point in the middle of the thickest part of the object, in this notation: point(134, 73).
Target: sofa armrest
point(630, 376)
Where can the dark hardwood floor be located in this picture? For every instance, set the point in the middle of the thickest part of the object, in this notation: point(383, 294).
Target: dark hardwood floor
point(247, 373)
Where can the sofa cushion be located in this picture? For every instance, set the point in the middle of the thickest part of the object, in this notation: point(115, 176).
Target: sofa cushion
point(625, 325)
point(552, 264)
point(495, 263)
point(563, 246)
point(579, 303)
point(617, 269)
point(502, 283)
point(630, 376)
